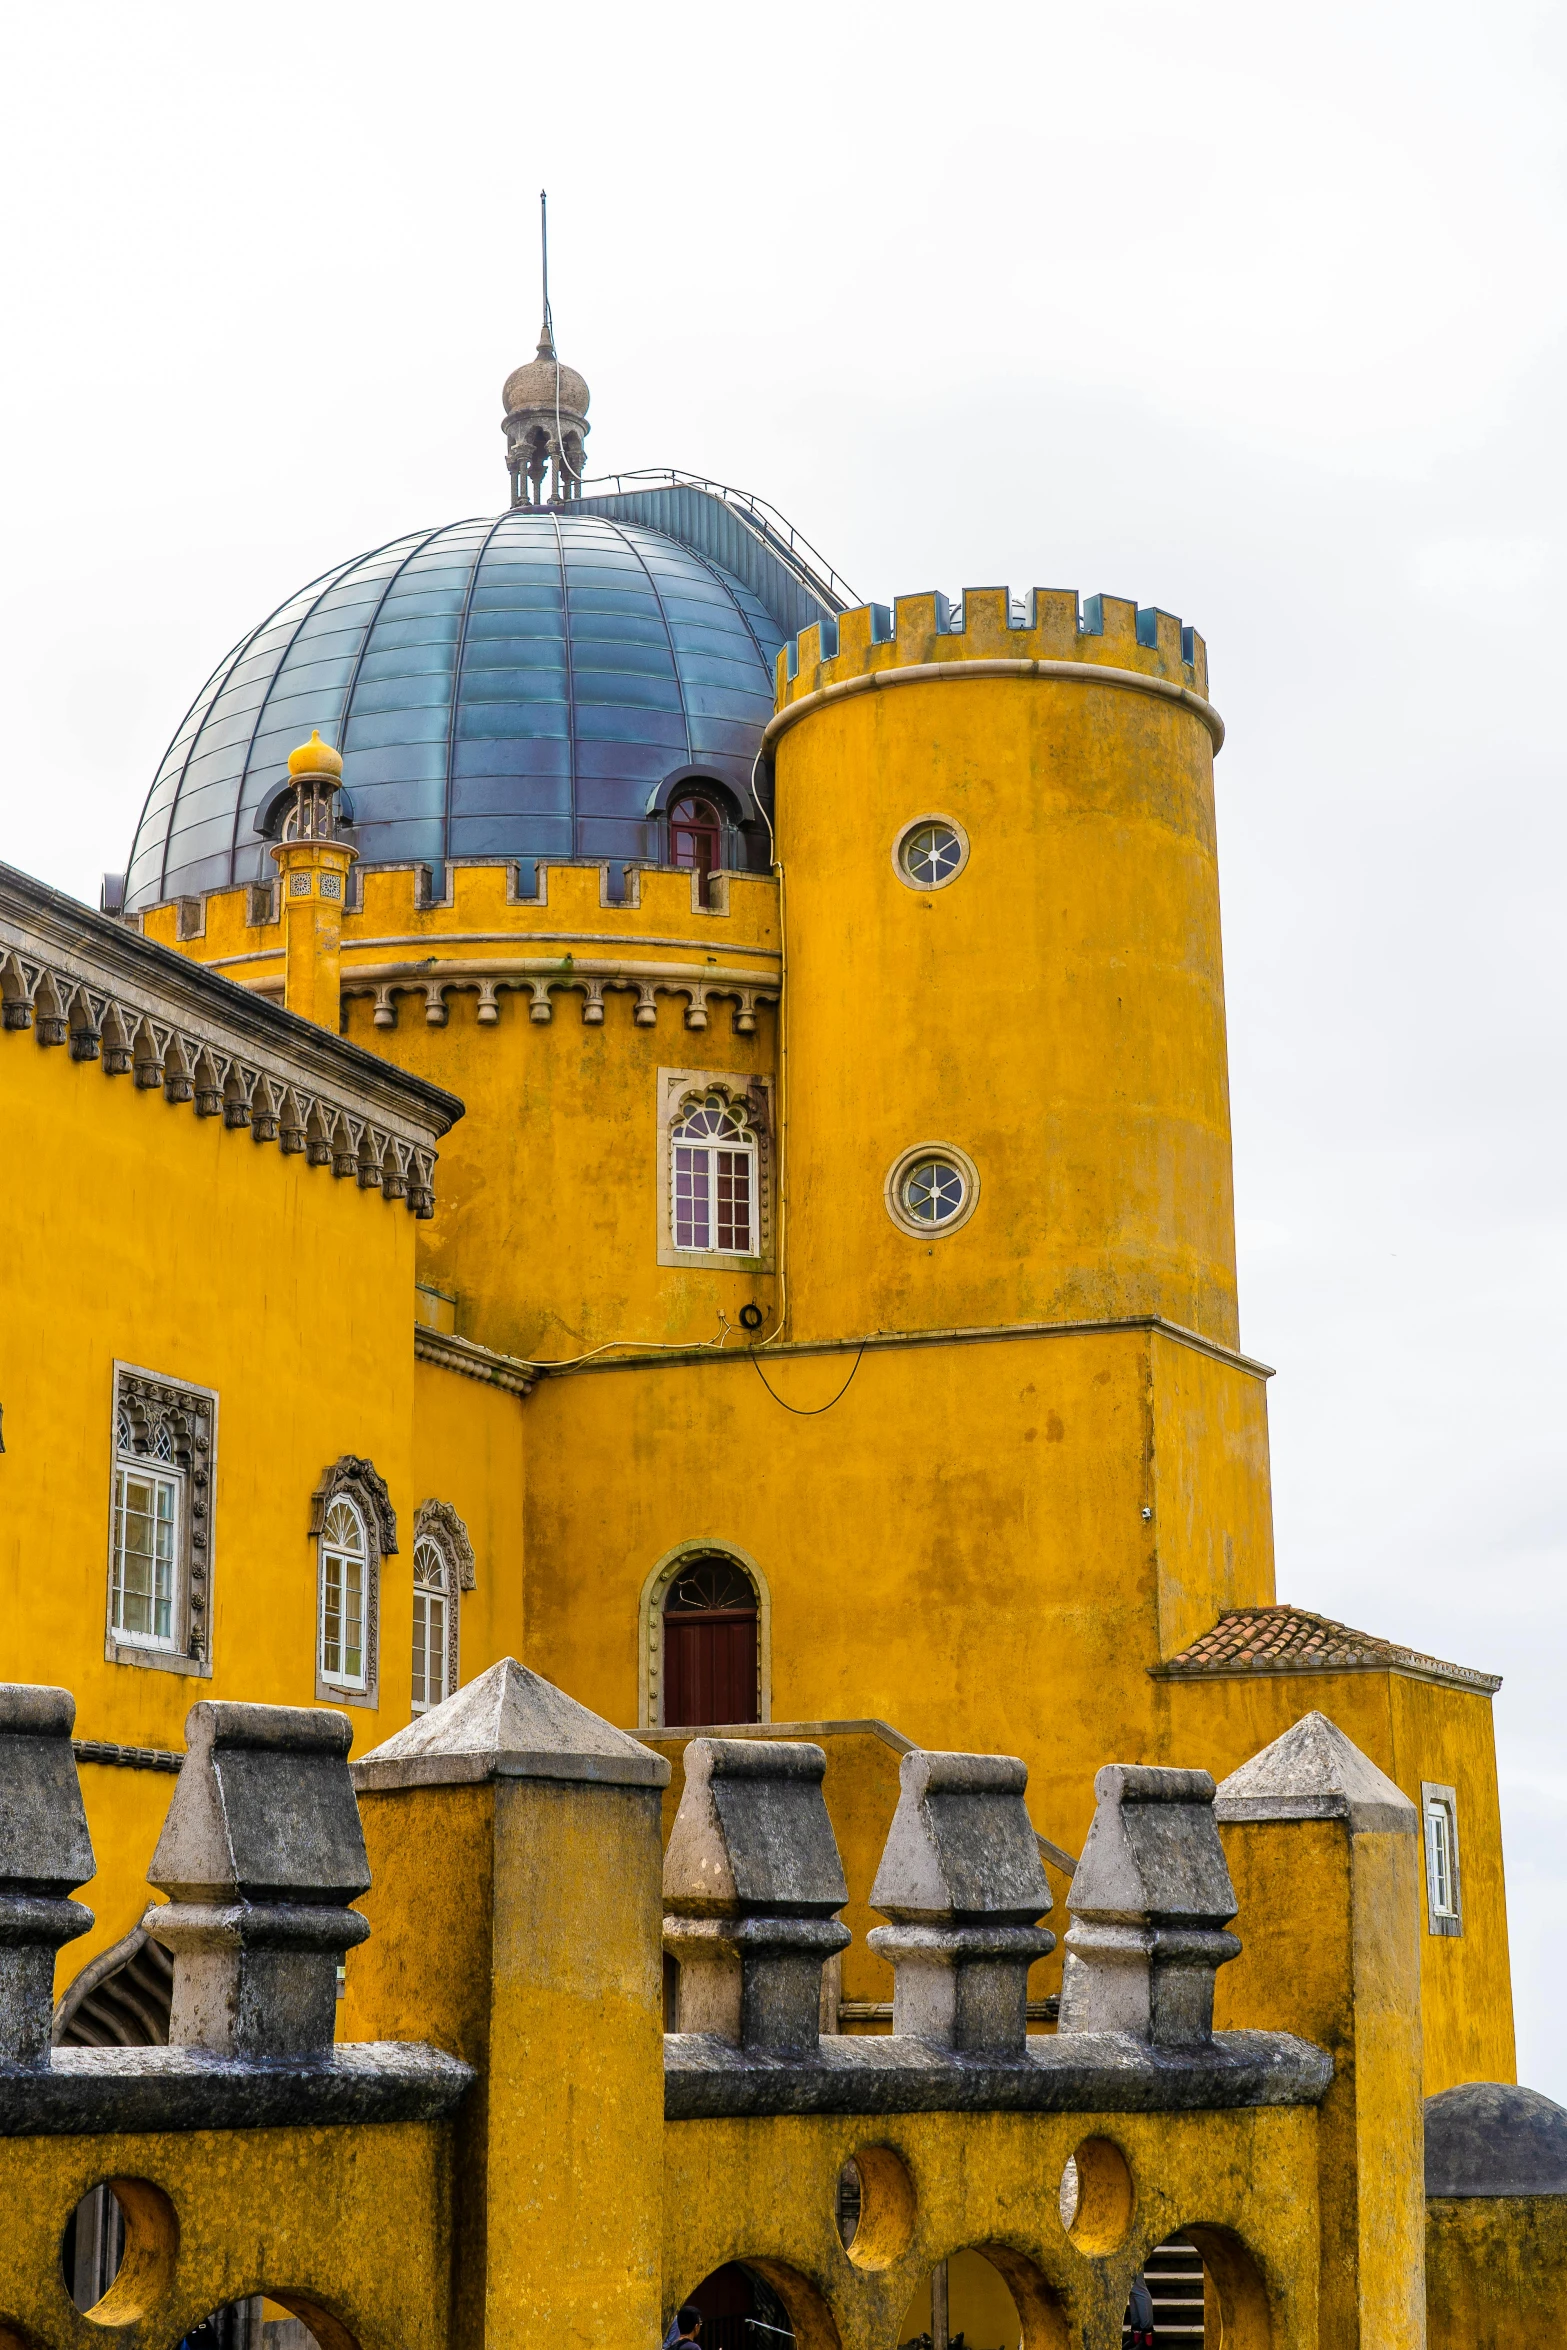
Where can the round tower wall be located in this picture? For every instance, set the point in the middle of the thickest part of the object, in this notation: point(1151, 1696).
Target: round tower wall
point(1053, 1014)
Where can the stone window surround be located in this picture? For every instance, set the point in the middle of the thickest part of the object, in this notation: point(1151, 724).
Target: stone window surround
point(358, 1481)
point(892, 1189)
point(172, 1400)
point(1433, 1793)
point(754, 1093)
point(436, 1522)
point(650, 1645)
point(904, 835)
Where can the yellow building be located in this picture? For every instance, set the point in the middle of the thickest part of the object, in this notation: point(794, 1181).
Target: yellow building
point(826, 1310)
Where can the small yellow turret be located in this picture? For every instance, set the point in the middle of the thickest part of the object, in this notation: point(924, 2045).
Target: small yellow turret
point(313, 865)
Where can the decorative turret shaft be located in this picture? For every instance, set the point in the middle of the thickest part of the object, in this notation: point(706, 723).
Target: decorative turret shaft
point(313, 866)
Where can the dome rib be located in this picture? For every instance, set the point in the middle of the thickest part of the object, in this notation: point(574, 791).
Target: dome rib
point(228, 668)
point(630, 545)
point(459, 655)
point(309, 613)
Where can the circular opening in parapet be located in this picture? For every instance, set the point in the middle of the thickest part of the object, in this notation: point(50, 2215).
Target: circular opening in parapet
point(875, 2207)
point(1095, 2196)
point(118, 2250)
point(964, 2298)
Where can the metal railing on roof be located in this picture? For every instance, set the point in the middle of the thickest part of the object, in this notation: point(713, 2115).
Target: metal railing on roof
point(779, 532)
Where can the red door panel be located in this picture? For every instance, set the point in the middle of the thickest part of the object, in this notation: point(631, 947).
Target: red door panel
point(709, 1667)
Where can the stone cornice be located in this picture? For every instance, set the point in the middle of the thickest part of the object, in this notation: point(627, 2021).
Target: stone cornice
point(957, 672)
point(983, 1334)
point(89, 983)
point(473, 1361)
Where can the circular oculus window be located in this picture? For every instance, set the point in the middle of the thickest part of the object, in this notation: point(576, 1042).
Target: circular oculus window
point(932, 1190)
point(930, 852)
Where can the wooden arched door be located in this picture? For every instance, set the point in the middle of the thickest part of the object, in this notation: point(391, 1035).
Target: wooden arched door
point(710, 1646)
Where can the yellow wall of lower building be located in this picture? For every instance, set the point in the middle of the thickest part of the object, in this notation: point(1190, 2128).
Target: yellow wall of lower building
point(163, 1240)
point(1496, 2271)
point(1414, 1731)
point(468, 1451)
point(957, 1545)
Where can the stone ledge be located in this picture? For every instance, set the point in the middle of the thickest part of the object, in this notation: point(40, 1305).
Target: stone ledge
point(99, 2092)
point(1082, 2072)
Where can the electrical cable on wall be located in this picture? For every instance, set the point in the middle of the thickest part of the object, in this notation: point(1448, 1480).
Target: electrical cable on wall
point(814, 1411)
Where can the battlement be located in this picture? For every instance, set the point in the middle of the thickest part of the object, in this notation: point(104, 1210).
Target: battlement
point(988, 624)
point(504, 1943)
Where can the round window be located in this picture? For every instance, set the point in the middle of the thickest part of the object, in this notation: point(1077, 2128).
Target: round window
point(932, 1190)
point(930, 853)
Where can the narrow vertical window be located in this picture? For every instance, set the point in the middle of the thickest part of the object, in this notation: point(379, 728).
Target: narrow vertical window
point(713, 1191)
point(1444, 1895)
point(432, 1626)
point(344, 1582)
point(161, 1503)
point(696, 840)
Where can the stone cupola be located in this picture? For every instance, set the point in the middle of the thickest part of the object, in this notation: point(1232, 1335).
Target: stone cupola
point(546, 425)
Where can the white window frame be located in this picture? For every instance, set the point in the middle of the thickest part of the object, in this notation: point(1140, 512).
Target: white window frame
point(165, 1430)
point(443, 1593)
point(327, 1551)
point(695, 1188)
point(1439, 1824)
point(164, 1477)
point(750, 1098)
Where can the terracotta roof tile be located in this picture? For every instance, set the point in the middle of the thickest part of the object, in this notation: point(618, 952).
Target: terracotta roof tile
point(1286, 1639)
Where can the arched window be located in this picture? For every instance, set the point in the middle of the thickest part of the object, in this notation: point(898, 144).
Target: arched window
point(355, 1528)
point(713, 1191)
point(345, 1591)
point(710, 1645)
point(696, 837)
point(435, 1625)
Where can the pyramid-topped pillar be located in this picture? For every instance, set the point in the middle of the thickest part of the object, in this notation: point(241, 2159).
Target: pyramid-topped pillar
point(1323, 1852)
point(516, 1913)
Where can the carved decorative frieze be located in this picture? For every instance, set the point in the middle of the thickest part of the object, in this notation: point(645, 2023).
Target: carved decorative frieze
point(133, 1028)
point(542, 979)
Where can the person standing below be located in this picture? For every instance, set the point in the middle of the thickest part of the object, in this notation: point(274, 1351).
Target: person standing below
point(686, 2328)
point(1139, 2317)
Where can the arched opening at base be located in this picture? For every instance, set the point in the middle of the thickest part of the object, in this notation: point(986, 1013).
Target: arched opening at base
point(740, 2311)
point(967, 2304)
point(1237, 2314)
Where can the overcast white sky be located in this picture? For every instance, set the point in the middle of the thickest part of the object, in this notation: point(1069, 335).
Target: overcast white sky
point(1255, 313)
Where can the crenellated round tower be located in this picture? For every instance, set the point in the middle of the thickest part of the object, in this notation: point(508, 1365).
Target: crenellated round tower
point(1004, 1087)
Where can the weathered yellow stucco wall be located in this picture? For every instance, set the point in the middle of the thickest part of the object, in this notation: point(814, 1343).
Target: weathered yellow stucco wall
point(762, 2191)
point(546, 1224)
point(166, 1241)
point(295, 2213)
point(1056, 1010)
point(1413, 1730)
point(1496, 2271)
point(958, 1546)
point(468, 1441)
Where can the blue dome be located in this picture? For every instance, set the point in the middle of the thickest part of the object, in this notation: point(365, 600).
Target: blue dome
point(528, 687)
